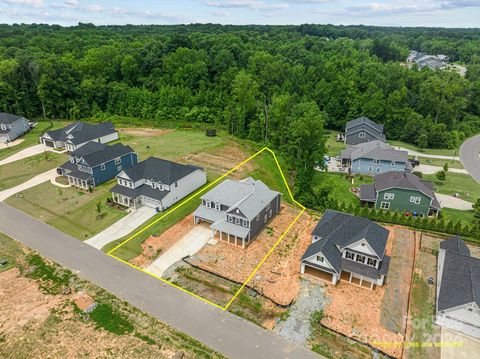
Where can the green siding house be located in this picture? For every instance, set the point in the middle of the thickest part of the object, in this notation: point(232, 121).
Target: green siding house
point(402, 192)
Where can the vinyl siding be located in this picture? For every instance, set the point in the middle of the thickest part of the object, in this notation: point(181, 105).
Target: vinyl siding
point(367, 166)
point(19, 127)
point(401, 201)
point(111, 169)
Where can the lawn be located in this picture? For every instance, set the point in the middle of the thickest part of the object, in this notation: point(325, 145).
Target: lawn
point(439, 162)
point(456, 215)
point(171, 145)
point(427, 151)
point(340, 186)
point(31, 138)
point(17, 172)
point(467, 188)
point(10, 251)
point(332, 145)
point(68, 209)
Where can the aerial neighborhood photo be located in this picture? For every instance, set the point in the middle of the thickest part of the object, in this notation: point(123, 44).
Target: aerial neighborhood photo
point(240, 179)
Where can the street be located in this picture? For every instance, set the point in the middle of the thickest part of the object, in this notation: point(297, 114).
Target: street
point(230, 335)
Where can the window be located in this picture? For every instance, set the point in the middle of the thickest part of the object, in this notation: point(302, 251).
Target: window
point(118, 160)
point(320, 259)
point(237, 220)
point(372, 262)
point(72, 159)
point(265, 219)
point(376, 162)
point(385, 205)
point(393, 163)
point(257, 217)
point(119, 168)
point(245, 223)
point(270, 213)
point(160, 187)
point(349, 255)
point(102, 166)
point(154, 185)
point(362, 135)
point(389, 196)
point(217, 206)
point(230, 219)
point(360, 258)
point(208, 204)
point(378, 169)
point(415, 200)
point(176, 184)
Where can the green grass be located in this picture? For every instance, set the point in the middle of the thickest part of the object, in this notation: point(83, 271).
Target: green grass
point(340, 186)
point(68, 209)
point(172, 145)
point(439, 162)
point(9, 250)
point(17, 172)
point(332, 145)
point(52, 279)
point(106, 318)
point(31, 138)
point(456, 183)
point(456, 215)
point(427, 151)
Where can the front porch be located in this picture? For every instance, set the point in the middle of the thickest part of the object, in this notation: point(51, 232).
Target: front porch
point(77, 182)
point(123, 200)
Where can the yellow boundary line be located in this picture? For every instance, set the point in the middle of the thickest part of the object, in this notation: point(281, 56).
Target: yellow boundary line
point(110, 253)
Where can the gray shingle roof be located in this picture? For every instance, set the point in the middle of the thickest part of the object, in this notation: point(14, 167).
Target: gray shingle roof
point(341, 229)
point(455, 245)
point(107, 154)
point(143, 190)
point(159, 170)
point(460, 280)
point(82, 132)
point(367, 193)
point(88, 148)
point(405, 180)
point(8, 118)
point(363, 119)
point(374, 150)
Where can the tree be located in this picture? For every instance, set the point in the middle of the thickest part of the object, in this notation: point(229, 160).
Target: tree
point(445, 167)
point(99, 207)
point(422, 141)
point(476, 208)
point(440, 175)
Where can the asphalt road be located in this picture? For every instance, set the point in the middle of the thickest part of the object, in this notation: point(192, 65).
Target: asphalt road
point(230, 335)
point(469, 155)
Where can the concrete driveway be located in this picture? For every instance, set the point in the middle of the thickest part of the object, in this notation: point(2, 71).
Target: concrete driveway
point(469, 155)
point(11, 144)
point(453, 202)
point(42, 177)
point(27, 152)
point(456, 345)
point(429, 170)
point(420, 154)
point(122, 227)
point(187, 246)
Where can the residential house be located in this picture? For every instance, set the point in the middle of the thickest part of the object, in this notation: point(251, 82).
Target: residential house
point(156, 183)
point(362, 130)
point(77, 134)
point(346, 247)
point(95, 163)
point(12, 127)
point(434, 62)
point(401, 191)
point(237, 211)
point(374, 157)
point(458, 288)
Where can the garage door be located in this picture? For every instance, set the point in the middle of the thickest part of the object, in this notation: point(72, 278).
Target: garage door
point(319, 273)
point(151, 203)
point(49, 143)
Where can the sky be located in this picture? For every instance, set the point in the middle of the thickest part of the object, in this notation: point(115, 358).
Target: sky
point(443, 13)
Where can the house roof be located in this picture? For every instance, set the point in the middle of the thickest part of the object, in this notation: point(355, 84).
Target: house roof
point(405, 180)
point(337, 229)
point(231, 228)
point(81, 132)
point(106, 154)
point(367, 193)
point(143, 190)
point(8, 118)
point(159, 170)
point(455, 245)
point(374, 150)
point(248, 195)
point(366, 120)
point(89, 147)
point(460, 283)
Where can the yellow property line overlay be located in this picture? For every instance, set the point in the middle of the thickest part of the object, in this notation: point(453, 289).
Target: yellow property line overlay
point(265, 149)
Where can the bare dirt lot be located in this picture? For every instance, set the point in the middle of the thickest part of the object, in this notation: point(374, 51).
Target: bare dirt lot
point(278, 277)
point(369, 315)
point(144, 132)
point(431, 243)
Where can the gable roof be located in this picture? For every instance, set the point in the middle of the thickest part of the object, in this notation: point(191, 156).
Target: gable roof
point(88, 148)
point(405, 180)
point(81, 132)
point(341, 229)
point(455, 245)
point(8, 118)
point(374, 150)
point(159, 170)
point(460, 283)
point(248, 195)
point(106, 154)
point(364, 120)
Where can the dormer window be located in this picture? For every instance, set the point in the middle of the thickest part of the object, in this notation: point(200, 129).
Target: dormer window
point(160, 187)
point(349, 255)
point(362, 135)
point(118, 160)
point(102, 166)
point(154, 185)
point(372, 262)
point(319, 259)
point(217, 206)
point(237, 220)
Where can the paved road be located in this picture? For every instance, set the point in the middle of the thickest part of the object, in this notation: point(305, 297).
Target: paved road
point(469, 155)
point(42, 177)
point(225, 332)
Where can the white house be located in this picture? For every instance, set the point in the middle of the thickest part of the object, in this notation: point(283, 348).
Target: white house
point(12, 127)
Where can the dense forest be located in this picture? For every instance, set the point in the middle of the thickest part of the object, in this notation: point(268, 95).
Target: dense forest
point(279, 85)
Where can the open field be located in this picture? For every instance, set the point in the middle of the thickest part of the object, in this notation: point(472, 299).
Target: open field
point(467, 188)
point(428, 151)
point(42, 310)
point(31, 138)
point(17, 172)
point(69, 209)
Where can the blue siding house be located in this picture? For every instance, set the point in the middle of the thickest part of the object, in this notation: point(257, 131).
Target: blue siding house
point(375, 157)
point(96, 163)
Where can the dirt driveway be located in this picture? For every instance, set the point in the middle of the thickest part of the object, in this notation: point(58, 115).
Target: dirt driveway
point(187, 246)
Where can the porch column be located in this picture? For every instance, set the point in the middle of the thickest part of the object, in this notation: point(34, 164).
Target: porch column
point(350, 280)
point(243, 243)
point(228, 237)
point(371, 286)
point(221, 235)
point(361, 280)
point(235, 240)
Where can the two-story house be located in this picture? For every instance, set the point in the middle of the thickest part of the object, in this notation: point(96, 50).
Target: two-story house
point(374, 157)
point(156, 183)
point(12, 127)
point(402, 192)
point(349, 248)
point(95, 163)
point(77, 134)
point(458, 288)
point(237, 211)
point(362, 130)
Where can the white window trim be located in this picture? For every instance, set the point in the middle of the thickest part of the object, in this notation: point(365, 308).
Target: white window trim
point(118, 160)
point(389, 196)
point(385, 205)
point(237, 220)
point(217, 207)
point(362, 135)
point(102, 166)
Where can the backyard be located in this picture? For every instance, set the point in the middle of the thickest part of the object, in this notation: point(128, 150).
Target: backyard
point(333, 146)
